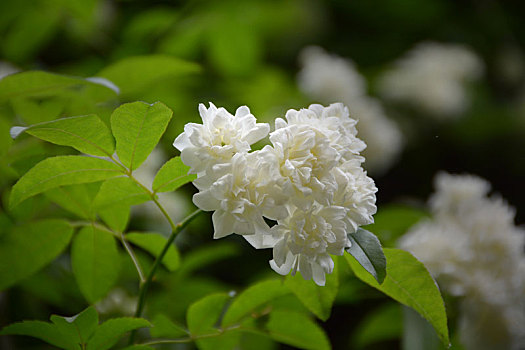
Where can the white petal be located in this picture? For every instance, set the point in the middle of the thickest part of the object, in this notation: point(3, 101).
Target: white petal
point(222, 223)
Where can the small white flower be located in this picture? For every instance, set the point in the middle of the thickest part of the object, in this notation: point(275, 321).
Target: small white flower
point(209, 147)
point(306, 238)
point(242, 197)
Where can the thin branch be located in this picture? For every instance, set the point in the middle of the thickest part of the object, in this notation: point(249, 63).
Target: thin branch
point(133, 258)
point(145, 286)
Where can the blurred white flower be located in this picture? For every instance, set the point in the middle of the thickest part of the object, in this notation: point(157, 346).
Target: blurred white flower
point(309, 181)
point(474, 250)
point(330, 78)
point(432, 77)
point(382, 135)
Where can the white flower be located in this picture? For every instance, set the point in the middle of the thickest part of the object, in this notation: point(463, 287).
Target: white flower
point(334, 123)
point(240, 198)
point(209, 147)
point(431, 77)
point(309, 180)
point(328, 77)
point(354, 191)
point(305, 157)
point(306, 238)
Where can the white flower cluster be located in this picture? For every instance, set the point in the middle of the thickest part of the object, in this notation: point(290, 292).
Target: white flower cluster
point(432, 77)
point(474, 250)
point(328, 78)
point(309, 181)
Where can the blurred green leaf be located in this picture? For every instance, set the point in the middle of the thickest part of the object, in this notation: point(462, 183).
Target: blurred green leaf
point(41, 330)
point(408, 282)
point(27, 248)
point(166, 328)
point(30, 32)
point(120, 191)
point(5, 139)
point(34, 110)
point(297, 330)
point(366, 249)
point(234, 47)
point(95, 262)
point(153, 243)
point(394, 220)
point(253, 298)
point(172, 175)
point(138, 127)
point(382, 324)
point(135, 74)
point(109, 332)
point(59, 171)
point(86, 133)
point(206, 255)
point(317, 299)
point(44, 84)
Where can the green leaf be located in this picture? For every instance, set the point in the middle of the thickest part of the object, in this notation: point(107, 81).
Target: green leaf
point(138, 127)
point(252, 298)
point(318, 300)
point(366, 249)
point(201, 318)
point(115, 216)
point(297, 330)
point(86, 133)
point(408, 281)
point(109, 332)
point(172, 175)
point(153, 243)
point(60, 171)
point(204, 313)
point(78, 328)
point(95, 262)
point(29, 247)
point(76, 199)
point(135, 74)
point(41, 330)
point(44, 84)
point(120, 191)
point(166, 328)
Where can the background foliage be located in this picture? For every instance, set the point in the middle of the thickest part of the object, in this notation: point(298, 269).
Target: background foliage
point(231, 53)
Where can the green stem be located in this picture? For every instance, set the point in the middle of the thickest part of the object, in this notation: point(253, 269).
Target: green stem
point(145, 286)
point(133, 257)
